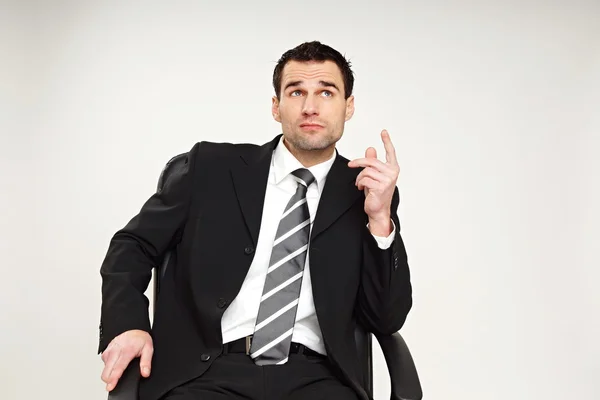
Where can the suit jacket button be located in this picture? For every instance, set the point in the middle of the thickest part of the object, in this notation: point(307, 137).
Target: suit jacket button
point(205, 357)
point(249, 250)
point(221, 303)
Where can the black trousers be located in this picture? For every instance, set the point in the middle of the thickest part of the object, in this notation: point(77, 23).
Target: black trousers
point(234, 376)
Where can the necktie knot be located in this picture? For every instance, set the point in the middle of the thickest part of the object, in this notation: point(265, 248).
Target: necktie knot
point(305, 176)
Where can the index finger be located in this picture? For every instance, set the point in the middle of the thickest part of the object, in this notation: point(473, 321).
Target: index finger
point(119, 367)
point(390, 150)
point(109, 364)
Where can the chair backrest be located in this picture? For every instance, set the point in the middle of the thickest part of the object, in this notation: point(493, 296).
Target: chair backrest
point(363, 338)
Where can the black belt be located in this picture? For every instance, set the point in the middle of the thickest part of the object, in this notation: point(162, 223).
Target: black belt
point(243, 346)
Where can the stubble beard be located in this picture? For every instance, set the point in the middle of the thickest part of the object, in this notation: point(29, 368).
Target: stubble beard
point(307, 143)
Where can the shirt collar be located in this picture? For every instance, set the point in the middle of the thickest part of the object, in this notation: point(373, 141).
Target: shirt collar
point(284, 163)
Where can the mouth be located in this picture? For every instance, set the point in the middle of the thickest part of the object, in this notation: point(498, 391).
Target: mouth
point(310, 126)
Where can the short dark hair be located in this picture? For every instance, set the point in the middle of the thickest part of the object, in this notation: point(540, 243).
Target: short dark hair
point(315, 51)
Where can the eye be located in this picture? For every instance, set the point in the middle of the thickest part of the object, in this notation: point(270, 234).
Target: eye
point(295, 93)
point(327, 93)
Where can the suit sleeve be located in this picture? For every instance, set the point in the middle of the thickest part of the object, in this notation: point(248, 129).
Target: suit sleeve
point(137, 248)
point(385, 293)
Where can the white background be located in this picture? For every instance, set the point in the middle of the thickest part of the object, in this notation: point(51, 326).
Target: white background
point(494, 108)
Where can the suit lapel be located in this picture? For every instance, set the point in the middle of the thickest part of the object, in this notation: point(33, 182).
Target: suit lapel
point(338, 195)
point(250, 176)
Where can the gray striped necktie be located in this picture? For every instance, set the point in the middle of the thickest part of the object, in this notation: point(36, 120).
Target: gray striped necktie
point(278, 304)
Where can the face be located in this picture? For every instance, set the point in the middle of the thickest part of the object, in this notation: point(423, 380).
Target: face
point(312, 108)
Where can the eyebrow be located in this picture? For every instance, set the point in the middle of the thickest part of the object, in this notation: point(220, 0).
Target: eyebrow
point(321, 83)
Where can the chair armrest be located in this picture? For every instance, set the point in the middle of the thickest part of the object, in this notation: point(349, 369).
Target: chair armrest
point(128, 386)
point(405, 383)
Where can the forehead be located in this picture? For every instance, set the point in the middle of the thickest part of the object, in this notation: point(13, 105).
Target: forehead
point(312, 72)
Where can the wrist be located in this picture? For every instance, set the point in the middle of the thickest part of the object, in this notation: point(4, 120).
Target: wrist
point(380, 225)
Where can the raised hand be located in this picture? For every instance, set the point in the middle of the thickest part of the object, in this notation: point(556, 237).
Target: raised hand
point(378, 180)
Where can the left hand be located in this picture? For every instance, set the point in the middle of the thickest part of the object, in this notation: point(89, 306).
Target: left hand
point(378, 179)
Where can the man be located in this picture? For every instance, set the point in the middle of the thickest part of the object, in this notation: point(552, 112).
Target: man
point(281, 250)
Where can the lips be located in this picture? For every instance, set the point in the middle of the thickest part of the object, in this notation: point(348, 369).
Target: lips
point(310, 125)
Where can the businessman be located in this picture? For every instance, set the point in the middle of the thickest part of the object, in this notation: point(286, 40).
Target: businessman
point(282, 249)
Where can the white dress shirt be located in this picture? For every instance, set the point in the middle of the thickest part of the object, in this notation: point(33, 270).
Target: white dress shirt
point(239, 319)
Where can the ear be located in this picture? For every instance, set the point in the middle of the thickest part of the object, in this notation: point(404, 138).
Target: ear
point(275, 109)
point(349, 107)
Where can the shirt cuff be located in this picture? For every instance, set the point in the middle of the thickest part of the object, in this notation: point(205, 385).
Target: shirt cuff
point(384, 243)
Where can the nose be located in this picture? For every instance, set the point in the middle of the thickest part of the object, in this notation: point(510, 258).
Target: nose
point(310, 106)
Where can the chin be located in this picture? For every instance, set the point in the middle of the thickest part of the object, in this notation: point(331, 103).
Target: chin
point(308, 142)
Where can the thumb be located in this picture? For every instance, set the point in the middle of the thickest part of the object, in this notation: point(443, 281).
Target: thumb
point(146, 360)
point(371, 153)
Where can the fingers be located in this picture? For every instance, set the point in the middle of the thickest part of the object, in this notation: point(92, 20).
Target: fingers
point(370, 159)
point(116, 359)
point(110, 357)
point(372, 174)
point(390, 150)
point(371, 153)
point(121, 351)
point(372, 163)
point(367, 183)
point(376, 180)
point(119, 367)
point(146, 360)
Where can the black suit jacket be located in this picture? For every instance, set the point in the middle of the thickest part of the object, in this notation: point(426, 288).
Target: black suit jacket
point(210, 210)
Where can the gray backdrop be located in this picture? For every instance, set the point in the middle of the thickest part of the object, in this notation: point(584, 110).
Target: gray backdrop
point(493, 108)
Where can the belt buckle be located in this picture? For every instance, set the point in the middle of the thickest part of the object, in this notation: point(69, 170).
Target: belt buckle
point(248, 344)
